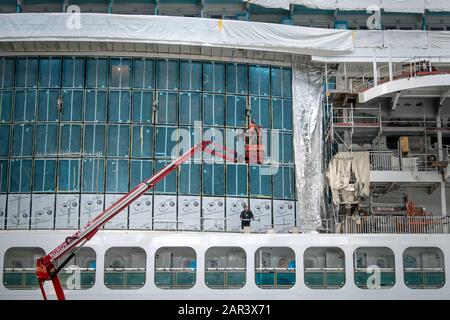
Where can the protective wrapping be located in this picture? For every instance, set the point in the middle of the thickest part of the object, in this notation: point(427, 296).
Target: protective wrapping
point(95, 27)
point(307, 112)
point(439, 39)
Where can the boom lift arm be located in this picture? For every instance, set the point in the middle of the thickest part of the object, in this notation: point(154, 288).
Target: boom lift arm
point(45, 267)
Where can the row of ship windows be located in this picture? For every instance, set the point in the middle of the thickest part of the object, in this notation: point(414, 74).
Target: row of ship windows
point(165, 74)
point(225, 268)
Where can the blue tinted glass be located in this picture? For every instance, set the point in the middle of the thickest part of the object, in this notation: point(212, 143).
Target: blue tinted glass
point(25, 103)
point(46, 139)
point(260, 111)
point(118, 140)
point(214, 110)
point(48, 105)
point(191, 75)
point(169, 183)
point(140, 171)
point(259, 80)
point(73, 72)
point(237, 179)
point(142, 141)
point(44, 175)
point(237, 78)
point(143, 73)
point(167, 111)
point(167, 74)
point(142, 106)
point(287, 83)
point(214, 76)
point(164, 143)
point(72, 108)
point(5, 105)
point(3, 175)
point(22, 143)
point(93, 175)
point(120, 73)
point(95, 109)
point(287, 151)
point(236, 111)
point(213, 178)
point(282, 114)
point(6, 72)
point(277, 84)
point(50, 72)
point(283, 182)
point(260, 181)
point(70, 138)
point(189, 178)
point(217, 136)
point(20, 175)
point(119, 106)
point(69, 175)
point(96, 72)
point(94, 139)
point(117, 176)
point(26, 72)
point(190, 108)
point(4, 138)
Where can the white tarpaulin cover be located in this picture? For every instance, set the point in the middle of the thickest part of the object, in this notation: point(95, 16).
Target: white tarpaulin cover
point(439, 39)
point(173, 30)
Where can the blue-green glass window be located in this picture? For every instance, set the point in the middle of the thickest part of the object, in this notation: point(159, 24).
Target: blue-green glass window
point(3, 175)
point(282, 114)
point(140, 170)
point(213, 178)
point(236, 111)
point(95, 107)
point(4, 138)
point(22, 142)
point(46, 139)
point(259, 80)
point(191, 75)
point(287, 152)
point(167, 111)
point(96, 72)
point(189, 178)
point(5, 105)
point(260, 181)
point(187, 137)
point(120, 73)
point(25, 105)
point(190, 108)
point(69, 175)
point(237, 179)
point(44, 175)
point(93, 175)
point(94, 138)
point(119, 106)
point(281, 82)
point(116, 175)
point(48, 105)
point(118, 140)
point(70, 141)
point(169, 183)
point(217, 136)
point(73, 72)
point(72, 109)
point(214, 110)
point(6, 72)
point(26, 72)
point(234, 140)
point(142, 141)
point(20, 175)
point(142, 106)
point(283, 182)
point(143, 73)
point(50, 72)
point(214, 76)
point(260, 111)
point(166, 141)
point(237, 78)
point(167, 74)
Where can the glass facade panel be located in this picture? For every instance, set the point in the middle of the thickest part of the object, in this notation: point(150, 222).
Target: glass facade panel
point(96, 72)
point(166, 111)
point(50, 72)
point(169, 183)
point(259, 80)
point(236, 180)
point(46, 140)
point(93, 175)
point(94, 139)
point(44, 175)
point(69, 175)
point(4, 145)
point(167, 74)
point(6, 72)
point(48, 105)
point(118, 140)
point(236, 111)
point(213, 178)
point(260, 181)
point(119, 106)
point(20, 175)
point(213, 110)
point(5, 105)
point(120, 73)
point(3, 176)
point(143, 73)
point(73, 72)
point(189, 178)
point(237, 78)
point(116, 181)
point(214, 76)
point(22, 142)
point(190, 108)
point(70, 141)
point(27, 72)
point(142, 141)
point(72, 107)
point(140, 170)
point(95, 107)
point(24, 105)
point(142, 106)
point(191, 75)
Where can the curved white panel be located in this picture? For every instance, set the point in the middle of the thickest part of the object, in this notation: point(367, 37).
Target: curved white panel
point(234, 209)
point(2, 211)
point(189, 211)
point(165, 212)
point(18, 211)
point(262, 210)
point(120, 221)
point(141, 212)
point(90, 207)
point(42, 211)
point(283, 215)
point(67, 207)
point(213, 213)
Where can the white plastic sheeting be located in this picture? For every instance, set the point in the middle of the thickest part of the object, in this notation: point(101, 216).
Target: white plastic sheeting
point(413, 39)
point(439, 39)
point(173, 30)
point(307, 112)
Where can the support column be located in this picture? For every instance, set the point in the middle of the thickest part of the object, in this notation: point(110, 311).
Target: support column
point(443, 200)
point(441, 158)
point(375, 71)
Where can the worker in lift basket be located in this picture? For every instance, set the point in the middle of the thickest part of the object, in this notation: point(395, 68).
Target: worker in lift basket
point(246, 217)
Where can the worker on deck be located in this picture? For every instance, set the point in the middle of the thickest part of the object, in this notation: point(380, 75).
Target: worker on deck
point(246, 217)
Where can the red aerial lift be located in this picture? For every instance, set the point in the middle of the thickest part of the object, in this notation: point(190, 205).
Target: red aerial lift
point(45, 267)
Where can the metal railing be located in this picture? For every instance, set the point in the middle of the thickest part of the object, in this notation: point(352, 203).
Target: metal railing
point(388, 161)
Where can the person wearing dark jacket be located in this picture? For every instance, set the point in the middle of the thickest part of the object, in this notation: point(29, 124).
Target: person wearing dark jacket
point(246, 216)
